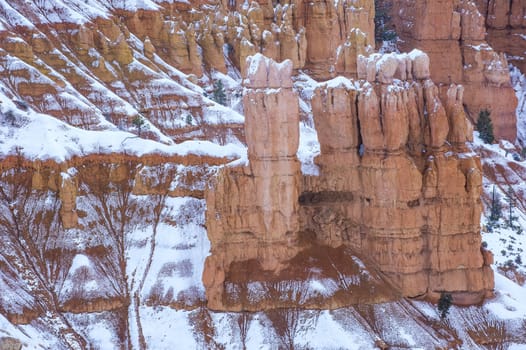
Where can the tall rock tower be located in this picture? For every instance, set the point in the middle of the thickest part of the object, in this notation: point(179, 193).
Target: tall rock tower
point(252, 210)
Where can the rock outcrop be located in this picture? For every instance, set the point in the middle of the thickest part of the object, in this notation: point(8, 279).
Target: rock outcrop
point(402, 186)
point(258, 219)
point(397, 183)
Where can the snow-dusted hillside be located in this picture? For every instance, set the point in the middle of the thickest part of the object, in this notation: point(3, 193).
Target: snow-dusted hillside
point(129, 275)
point(164, 262)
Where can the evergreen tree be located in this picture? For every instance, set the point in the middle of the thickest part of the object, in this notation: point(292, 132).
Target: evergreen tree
point(382, 21)
point(189, 119)
point(444, 303)
point(485, 127)
point(496, 208)
point(511, 202)
point(138, 121)
point(219, 92)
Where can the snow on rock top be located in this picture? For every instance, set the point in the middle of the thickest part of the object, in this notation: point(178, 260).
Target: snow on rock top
point(134, 5)
point(263, 72)
point(340, 82)
point(382, 67)
point(12, 17)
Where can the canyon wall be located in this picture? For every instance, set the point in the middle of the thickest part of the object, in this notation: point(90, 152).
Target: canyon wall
point(398, 190)
point(137, 50)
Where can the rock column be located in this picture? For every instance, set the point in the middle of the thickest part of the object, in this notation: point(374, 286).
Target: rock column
point(397, 182)
point(252, 211)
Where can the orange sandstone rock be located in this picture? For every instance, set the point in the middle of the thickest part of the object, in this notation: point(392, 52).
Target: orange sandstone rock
point(391, 183)
point(252, 211)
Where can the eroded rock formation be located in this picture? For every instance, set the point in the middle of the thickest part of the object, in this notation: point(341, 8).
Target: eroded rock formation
point(397, 184)
point(411, 187)
point(258, 219)
point(325, 38)
point(452, 33)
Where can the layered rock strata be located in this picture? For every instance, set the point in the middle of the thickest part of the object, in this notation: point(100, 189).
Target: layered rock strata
point(397, 181)
point(397, 184)
point(252, 211)
point(125, 55)
point(61, 211)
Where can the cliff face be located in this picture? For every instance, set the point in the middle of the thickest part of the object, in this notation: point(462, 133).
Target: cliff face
point(452, 33)
point(129, 55)
point(411, 192)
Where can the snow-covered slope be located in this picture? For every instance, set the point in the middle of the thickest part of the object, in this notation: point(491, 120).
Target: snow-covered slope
point(129, 275)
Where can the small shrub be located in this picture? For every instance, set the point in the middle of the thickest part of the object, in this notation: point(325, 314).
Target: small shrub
point(509, 264)
point(138, 121)
point(189, 119)
point(10, 117)
point(518, 260)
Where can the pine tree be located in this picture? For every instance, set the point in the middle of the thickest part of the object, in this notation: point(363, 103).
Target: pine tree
point(496, 208)
point(382, 21)
point(485, 127)
point(511, 204)
point(189, 119)
point(138, 121)
point(444, 303)
point(219, 92)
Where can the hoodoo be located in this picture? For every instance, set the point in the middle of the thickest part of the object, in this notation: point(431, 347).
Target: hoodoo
point(396, 183)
